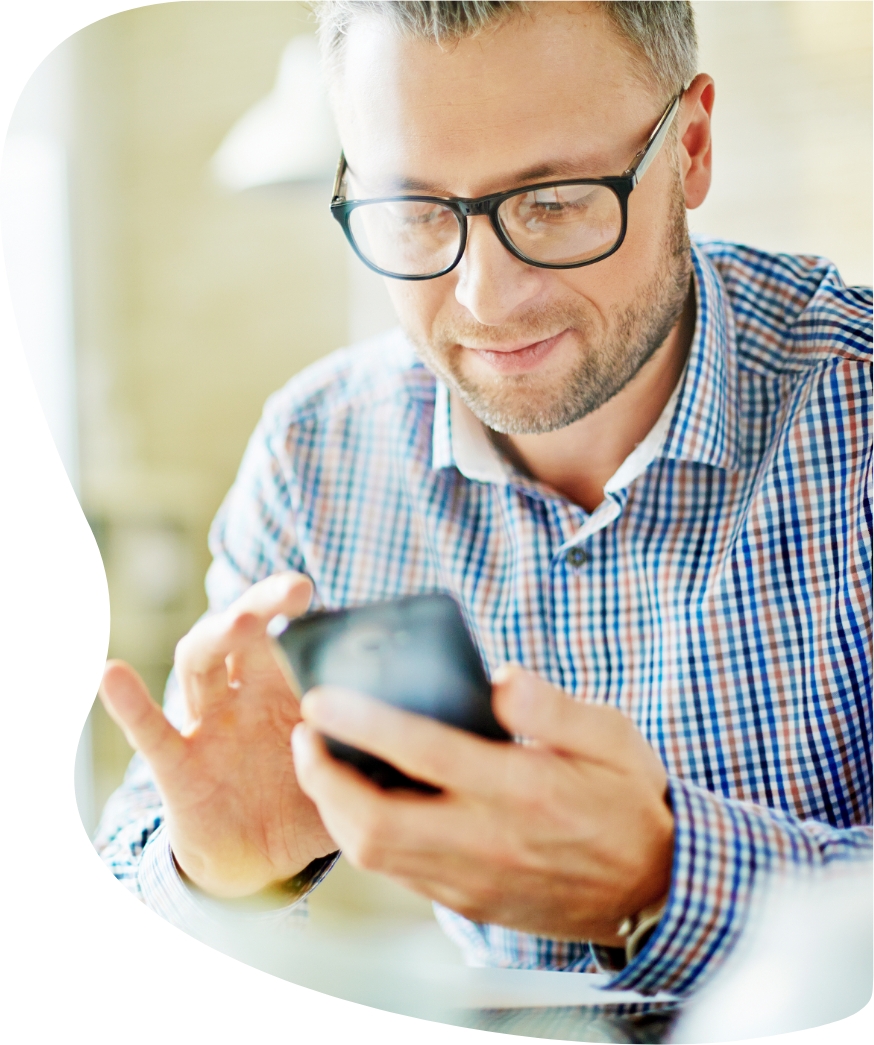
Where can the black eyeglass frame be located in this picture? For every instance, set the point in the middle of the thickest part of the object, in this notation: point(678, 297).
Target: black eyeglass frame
point(463, 208)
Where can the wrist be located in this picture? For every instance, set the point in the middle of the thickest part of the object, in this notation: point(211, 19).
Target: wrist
point(635, 930)
point(270, 896)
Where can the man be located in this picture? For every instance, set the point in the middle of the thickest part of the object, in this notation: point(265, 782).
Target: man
point(640, 465)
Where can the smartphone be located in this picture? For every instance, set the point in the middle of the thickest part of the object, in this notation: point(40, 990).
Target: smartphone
point(414, 652)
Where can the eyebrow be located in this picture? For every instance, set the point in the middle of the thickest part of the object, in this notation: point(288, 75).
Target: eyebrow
point(555, 169)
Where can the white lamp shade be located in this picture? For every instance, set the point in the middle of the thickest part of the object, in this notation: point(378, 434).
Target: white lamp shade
point(287, 137)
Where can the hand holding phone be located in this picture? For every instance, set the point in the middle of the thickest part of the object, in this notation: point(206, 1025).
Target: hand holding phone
point(413, 652)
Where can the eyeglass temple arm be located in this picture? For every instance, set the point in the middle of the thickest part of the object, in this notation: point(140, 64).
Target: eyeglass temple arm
point(648, 153)
point(338, 179)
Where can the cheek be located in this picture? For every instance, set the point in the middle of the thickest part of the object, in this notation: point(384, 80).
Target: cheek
point(616, 282)
point(595, 290)
point(651, 210)
point(419, 304)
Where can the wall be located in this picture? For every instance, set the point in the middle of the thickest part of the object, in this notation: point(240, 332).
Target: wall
point(792, 128)
point(193, 304)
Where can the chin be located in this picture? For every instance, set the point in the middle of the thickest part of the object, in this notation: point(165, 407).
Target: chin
point(527, 412)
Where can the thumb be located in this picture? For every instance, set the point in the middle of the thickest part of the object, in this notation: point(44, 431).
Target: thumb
point(128, 703)
point(529, 706)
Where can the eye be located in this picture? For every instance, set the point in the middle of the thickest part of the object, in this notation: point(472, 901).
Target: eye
point(558, 199)
point(552, 206)
point(428, 217)
point(546, 200)
point(412, 213)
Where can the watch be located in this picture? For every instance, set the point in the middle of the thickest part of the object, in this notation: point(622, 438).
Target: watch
point(638, 928)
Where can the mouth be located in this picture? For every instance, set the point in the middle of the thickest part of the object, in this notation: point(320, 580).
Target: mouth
point(515, 358)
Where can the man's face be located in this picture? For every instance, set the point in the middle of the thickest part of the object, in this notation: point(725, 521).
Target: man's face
point(550, 95)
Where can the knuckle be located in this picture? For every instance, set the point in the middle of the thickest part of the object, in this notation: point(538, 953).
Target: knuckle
point(362, 853)
point(437, 761)
point(479, 902)
point(547, 798)
point(525, 777)
point(242, 622)
point(182, 653)
point(468, 909)
point(368, 846)
point(367, 855)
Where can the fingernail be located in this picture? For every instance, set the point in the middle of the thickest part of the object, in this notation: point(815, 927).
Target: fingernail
point(505, 672)
point(277, 625)
point(325, 705)
point(299, 740)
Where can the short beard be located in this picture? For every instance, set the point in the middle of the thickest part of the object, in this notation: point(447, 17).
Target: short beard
point(520, 404)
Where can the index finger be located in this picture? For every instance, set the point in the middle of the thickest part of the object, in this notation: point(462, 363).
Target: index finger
point(129, 704)
point(449, 758)
point(201, 654)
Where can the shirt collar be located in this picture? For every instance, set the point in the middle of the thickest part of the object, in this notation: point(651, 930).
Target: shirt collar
point(704, 427)
point(460, 439)
point(697, 424)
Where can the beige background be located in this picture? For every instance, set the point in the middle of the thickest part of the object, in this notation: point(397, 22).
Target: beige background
point(193, 304)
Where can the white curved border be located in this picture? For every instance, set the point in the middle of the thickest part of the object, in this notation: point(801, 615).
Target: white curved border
point(84, 960)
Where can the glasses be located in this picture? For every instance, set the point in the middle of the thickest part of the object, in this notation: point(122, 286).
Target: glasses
point(552, 225)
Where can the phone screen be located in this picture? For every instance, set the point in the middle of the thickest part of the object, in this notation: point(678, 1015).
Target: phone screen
point(413, 652)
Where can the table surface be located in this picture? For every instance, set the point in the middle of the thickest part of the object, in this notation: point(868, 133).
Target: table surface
point(378, 970)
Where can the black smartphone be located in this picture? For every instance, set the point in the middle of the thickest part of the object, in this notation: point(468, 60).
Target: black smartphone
point(414, 652)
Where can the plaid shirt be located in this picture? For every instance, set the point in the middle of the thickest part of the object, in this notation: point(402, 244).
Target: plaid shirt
point(718, 595)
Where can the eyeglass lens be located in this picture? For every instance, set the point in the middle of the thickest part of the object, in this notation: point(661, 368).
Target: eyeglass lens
point(406, 237)
point(563, 224)
point(556, 225)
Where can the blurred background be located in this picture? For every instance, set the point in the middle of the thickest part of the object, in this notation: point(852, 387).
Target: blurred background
point(164, 207)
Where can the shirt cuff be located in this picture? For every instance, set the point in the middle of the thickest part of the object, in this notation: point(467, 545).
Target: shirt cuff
point(720, 847)
point(166, 892)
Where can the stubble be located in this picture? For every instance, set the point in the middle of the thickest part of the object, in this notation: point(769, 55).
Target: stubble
point(527, 404)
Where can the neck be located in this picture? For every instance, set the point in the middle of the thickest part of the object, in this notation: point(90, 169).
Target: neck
point(577, 460)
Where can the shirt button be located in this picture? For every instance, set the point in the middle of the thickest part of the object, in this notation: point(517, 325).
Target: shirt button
point(577, 557)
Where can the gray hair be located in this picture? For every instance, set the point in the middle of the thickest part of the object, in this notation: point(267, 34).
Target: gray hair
point(661, 31)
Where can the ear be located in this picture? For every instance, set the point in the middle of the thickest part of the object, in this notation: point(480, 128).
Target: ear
point(694, 142)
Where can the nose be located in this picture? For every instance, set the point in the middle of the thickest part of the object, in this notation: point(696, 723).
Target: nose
point(491, 283)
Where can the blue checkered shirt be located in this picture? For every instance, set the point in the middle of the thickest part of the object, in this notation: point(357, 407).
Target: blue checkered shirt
point(719, 595)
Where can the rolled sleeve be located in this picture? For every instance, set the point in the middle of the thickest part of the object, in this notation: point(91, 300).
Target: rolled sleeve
point(722, 849)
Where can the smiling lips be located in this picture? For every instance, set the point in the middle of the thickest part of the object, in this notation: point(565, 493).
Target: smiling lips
point(519, 360)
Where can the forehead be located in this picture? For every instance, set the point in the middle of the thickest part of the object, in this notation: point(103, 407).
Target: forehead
point(555, 86)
